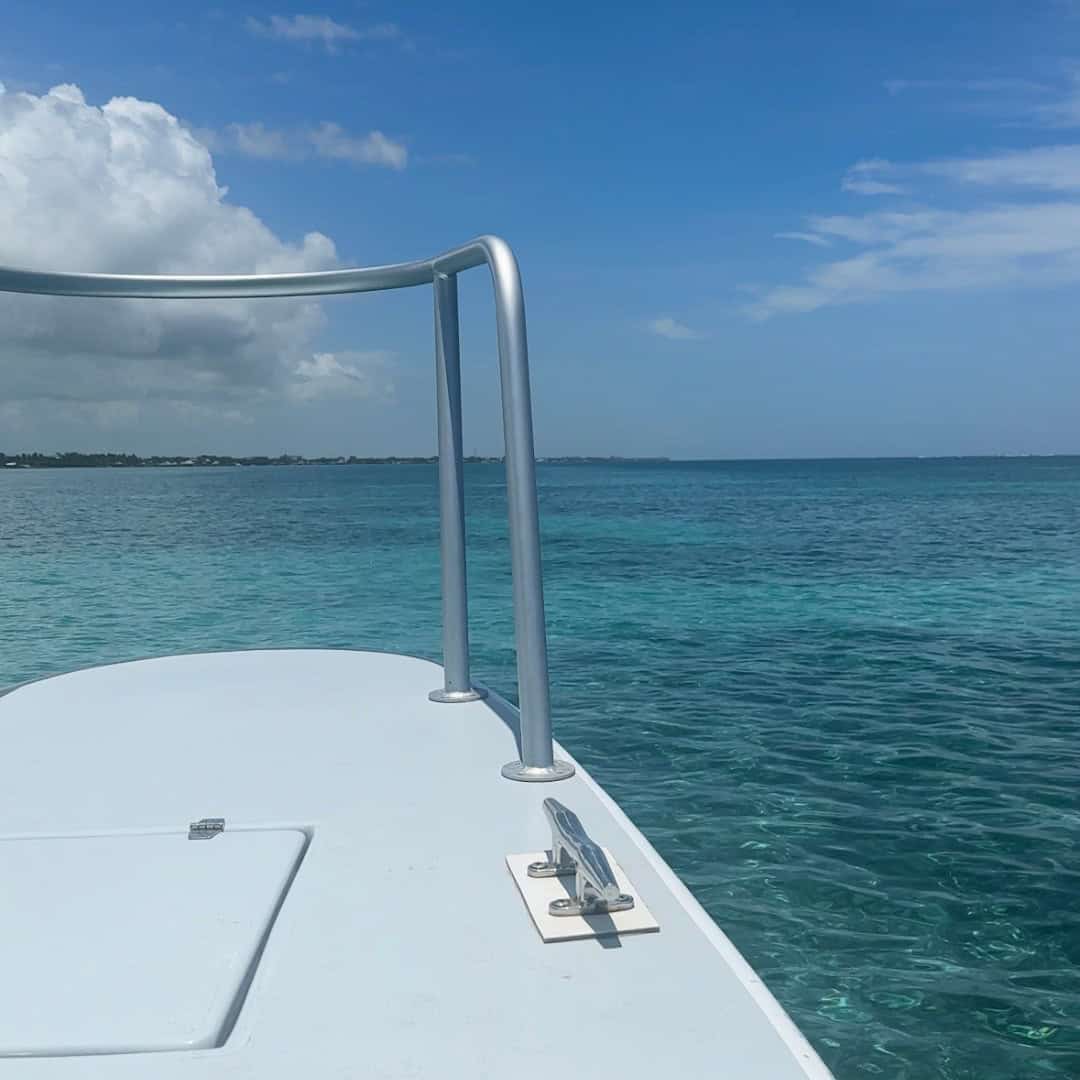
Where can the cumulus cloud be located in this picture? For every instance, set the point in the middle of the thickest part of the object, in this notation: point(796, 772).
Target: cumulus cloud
point(667, 327)
point(328, 140)
point(320, 29)
point(126, 188)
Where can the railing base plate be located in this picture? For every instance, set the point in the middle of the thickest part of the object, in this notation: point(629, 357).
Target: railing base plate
point(455, 697)
point(538, 774)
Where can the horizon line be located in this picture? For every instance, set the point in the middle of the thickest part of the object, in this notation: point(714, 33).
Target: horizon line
point(289, 458)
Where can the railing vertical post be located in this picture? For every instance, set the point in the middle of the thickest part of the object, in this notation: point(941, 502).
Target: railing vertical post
point(537, 751)
point(457, 685)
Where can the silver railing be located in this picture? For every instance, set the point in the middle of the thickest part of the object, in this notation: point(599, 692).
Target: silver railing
point(537, 761)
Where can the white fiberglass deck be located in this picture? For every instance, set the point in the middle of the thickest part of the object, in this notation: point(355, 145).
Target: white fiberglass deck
point(402, 948)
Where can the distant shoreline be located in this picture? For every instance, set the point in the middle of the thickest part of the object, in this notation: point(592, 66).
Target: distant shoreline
point(79, 460)
point(134, 461)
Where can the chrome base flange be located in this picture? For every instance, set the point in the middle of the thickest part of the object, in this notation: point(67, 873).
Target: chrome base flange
point(538, 774)
point(455, 697)
point(570, 905)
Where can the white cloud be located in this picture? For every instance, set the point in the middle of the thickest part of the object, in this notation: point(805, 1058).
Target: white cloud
point(126, 188)
point(667, 327)
point(876, 228)
point(321, 29)
point(1014, 245)
point(1018, 240)
point(1050, 103)
point(327, 141)
point(257, 140)
point(863, 178)
point(332, 141)
point(1051, 168)
point(861, 186)
point(252, 140)
point(807, 238)
point(345, 374)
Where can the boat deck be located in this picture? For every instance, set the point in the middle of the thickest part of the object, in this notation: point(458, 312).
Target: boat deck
point(403, 948)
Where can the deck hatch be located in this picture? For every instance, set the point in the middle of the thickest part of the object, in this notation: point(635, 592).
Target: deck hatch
point(132, 943)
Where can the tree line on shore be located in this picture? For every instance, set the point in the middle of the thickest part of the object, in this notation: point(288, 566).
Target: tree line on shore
point(79, 460)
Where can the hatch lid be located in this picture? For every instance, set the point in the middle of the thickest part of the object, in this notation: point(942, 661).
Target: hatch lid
point(126, 943)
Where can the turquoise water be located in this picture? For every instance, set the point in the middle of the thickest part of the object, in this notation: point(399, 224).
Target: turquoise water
point(841, 698)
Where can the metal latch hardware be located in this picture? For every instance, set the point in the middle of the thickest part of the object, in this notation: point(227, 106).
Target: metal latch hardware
point(206, 828)
point(596, 892)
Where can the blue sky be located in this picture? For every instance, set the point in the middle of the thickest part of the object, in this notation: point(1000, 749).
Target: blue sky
point(749, 230)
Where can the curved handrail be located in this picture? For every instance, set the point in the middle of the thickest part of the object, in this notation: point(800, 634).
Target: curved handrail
point(484, 249)
point(537, 753)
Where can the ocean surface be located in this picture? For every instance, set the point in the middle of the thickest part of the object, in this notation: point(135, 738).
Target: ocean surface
point(842, 698)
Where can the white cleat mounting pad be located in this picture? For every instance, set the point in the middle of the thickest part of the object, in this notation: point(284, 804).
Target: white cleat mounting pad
point(538, 892)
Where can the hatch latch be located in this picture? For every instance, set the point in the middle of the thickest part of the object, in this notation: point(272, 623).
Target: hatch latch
point(206, 828)
point(596, 892)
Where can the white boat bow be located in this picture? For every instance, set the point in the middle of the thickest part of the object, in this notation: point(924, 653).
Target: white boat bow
point(292, 864)
point(400, 948)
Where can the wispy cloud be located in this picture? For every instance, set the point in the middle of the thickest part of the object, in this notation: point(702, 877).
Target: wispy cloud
point(1050, 168)
point(374, 148)
point(806, 237)
point(972, 86)
point(257, 140)
point(1021, 245)
point(1050, 103)
point(321, 30)
point(858, 185)
point(864, 178)
point(1004, 218)
point(327, 140)
point(666, 327)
